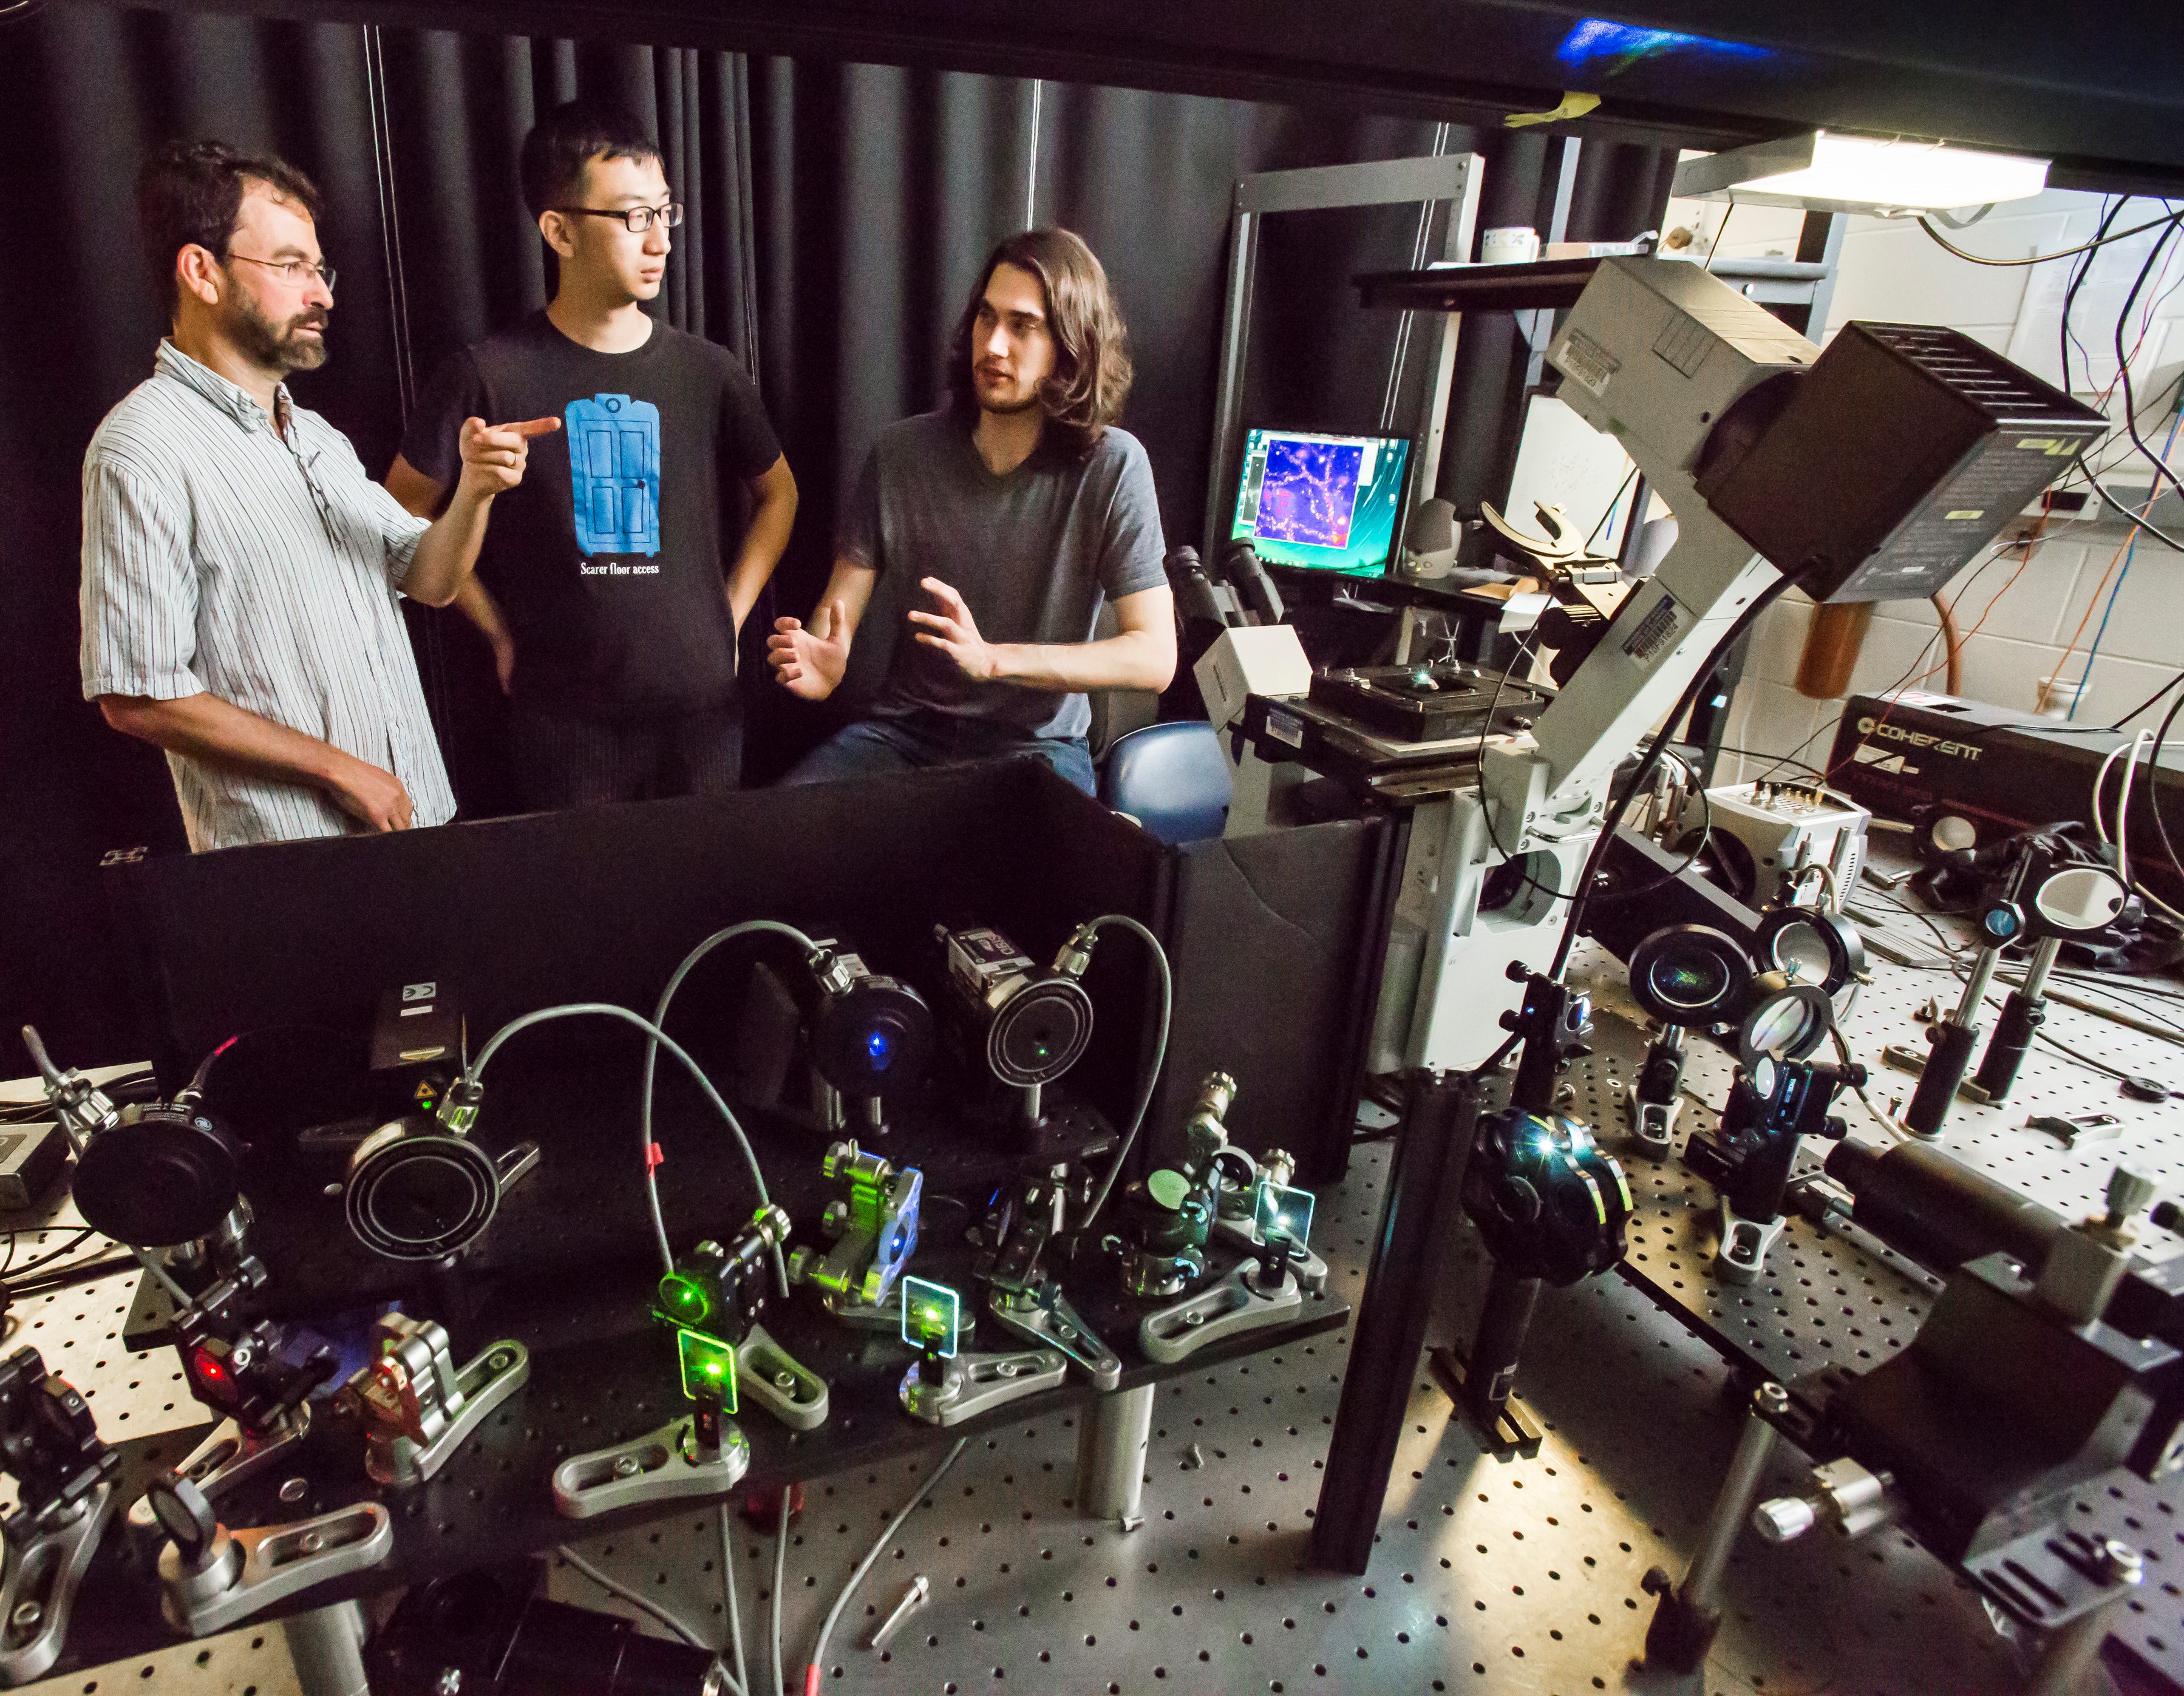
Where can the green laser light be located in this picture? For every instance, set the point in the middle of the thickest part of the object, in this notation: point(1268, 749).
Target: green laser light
point(708, 1368)
point(932, 1315)
point(1284, 1213)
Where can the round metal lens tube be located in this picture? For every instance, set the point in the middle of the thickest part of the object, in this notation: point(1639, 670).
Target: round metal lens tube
point(1811, 944)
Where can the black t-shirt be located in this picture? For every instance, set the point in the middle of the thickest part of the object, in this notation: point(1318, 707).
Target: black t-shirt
point(608, 559)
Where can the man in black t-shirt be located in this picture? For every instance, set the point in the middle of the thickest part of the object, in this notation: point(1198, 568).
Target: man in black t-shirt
point(602, 591)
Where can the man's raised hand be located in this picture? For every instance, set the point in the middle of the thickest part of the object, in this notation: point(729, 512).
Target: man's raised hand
point(954, 633)
point(494, 454)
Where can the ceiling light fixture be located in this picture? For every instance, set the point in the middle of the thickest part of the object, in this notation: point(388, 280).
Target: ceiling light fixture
point(1822, 172)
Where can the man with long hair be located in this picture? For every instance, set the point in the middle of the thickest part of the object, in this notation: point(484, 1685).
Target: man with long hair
point(1017, 509)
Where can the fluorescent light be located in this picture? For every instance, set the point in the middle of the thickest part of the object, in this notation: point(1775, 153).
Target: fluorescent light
point(1820, 172)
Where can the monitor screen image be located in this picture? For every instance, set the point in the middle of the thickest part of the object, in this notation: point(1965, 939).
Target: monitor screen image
point(1332, 501)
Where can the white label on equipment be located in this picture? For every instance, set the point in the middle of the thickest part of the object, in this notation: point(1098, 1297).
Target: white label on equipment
point(418, 991)
point(1660, 626)
point(1585, 361)
point(1285, 727)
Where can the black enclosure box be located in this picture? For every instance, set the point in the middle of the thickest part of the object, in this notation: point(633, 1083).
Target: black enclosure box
point(1901, 453)
point(2003, 770)
point(1274, 943)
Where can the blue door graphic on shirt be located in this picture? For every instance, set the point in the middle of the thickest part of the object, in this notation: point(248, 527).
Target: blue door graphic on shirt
point(614, 473)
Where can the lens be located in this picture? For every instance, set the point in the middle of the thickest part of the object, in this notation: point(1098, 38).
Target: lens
point(1040, 1034)
point(1803, 952)
point(1782, 1026)
point(681, 1297)
point(1692, 981)
point(881, 1047)
point(423, 1198)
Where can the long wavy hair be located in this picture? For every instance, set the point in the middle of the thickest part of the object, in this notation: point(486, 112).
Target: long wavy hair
point(1091, 377)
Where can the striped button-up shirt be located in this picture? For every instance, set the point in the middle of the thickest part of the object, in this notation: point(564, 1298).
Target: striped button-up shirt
point(260, 566)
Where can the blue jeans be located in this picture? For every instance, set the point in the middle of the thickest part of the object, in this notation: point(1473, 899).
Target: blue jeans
point(912, 744)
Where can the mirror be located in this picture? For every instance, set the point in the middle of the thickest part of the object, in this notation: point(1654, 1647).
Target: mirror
point(2079, 900)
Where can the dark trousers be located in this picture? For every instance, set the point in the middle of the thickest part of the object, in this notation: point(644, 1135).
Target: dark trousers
point(927, 739)
point(571, 759)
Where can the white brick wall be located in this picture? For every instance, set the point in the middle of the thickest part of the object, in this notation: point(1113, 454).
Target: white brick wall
point(2025, 628)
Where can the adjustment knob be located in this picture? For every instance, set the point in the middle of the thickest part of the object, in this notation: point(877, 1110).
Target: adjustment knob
point(1785, 1518)
point(184, 1515)
point(1516, 971)
point(2128, 1192)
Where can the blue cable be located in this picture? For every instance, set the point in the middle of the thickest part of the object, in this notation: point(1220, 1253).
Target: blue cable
point(2086, 676)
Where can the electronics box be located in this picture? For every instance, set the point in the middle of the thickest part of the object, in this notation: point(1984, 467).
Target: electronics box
point(1774, 832)
point(417, 1047)
point(1899, 454)
point(31, 1158)
point(2003, 770)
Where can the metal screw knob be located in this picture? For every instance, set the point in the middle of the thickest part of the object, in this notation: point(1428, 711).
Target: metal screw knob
point(1785, 1518)
point(2121, 1564)
point(2128, 1192)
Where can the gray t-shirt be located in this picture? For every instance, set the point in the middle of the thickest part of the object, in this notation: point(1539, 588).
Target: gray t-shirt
point(1034, 554)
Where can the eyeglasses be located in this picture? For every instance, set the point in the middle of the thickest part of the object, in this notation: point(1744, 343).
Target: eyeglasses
point(296, 273)
point(637, 220)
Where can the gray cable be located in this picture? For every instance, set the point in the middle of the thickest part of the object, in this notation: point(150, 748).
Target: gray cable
point(182, 1297)
point(748, 928)
point(815, 1670)
point(780, 1572)
point(660, 1039)
point(729, 1587)
point(643, 1604)
point(1152, 1071)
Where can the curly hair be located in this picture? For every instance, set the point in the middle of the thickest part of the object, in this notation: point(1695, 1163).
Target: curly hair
point(1091, 375)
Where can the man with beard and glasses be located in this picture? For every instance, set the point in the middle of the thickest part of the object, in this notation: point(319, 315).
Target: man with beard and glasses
point(1016, 510)
point(240, 571)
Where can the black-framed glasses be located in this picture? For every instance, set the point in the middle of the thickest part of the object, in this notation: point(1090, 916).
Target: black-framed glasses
point(637, 219)
point(296, 273)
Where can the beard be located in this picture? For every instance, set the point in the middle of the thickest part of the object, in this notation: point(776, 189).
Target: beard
point(279, 347)
point(1005, 408)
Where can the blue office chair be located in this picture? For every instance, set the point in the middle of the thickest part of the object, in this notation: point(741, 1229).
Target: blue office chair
point(1171, 778)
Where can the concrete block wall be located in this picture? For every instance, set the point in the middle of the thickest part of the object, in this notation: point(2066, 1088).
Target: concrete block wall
point(2023, 620)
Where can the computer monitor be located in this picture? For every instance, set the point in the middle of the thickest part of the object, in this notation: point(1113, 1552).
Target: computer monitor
point(1331, 503)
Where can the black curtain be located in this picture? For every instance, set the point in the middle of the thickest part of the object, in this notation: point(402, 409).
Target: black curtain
point(837, 214)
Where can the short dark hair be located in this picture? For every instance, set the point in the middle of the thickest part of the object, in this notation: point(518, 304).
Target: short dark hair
point(1091, 375)
point(189, 193)
point(570, 137)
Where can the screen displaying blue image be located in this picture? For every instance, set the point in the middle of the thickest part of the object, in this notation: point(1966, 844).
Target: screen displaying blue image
point(1332, 501)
